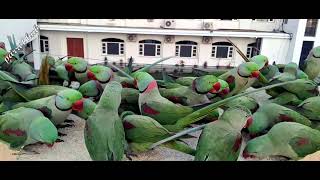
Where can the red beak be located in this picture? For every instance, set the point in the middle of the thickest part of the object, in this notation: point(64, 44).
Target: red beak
point(226, 91)
point(91, 76)
point(215, 88)
point(69, 67)
point(255, 74)
point(249, 122)
point(78, 105)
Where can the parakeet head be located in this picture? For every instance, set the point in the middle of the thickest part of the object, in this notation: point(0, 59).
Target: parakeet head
point(224, 90)
point(205, 84)
point(259, 123)
point(144, 81)
point(51, 60)
point(69, 99)
point(62, 72)
point(101, 73)
point(88, 108)
point(91, 89)
point(111, 96)
point(249, 69)
point(41, 129)
point(291, 68)
point(237, 116)
point(258, 148)
point(316, 52)
point(261, 60)
point(76, 64)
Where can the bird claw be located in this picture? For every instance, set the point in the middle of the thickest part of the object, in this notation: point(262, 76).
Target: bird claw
point(59, 140)
point(69, 121)
point(64, 126)
point(61, 134)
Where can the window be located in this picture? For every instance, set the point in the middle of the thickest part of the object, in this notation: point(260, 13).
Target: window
point(112, 46)
point(222, 50)
point(44, 44)
point(251, 50)
point(186, 49)
point(311, 27)
point(306, 48)
point(149, 48)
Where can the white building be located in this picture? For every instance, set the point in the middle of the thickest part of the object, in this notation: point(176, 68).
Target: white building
point(193, 41)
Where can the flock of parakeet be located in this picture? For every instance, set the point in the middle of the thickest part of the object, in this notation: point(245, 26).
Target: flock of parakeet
point(129, 111)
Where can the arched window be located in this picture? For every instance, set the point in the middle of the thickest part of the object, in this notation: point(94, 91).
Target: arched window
point(112, 46)
point(149, 47)
point(222, 50)
point(44, 44)
point(186, 49)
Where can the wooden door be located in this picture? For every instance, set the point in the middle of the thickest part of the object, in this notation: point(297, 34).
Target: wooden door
point(75, 47)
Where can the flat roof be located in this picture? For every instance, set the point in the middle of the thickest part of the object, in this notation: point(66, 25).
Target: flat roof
point(176, 32)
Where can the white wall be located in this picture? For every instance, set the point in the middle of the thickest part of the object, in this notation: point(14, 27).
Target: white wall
point(93, 48)
point(244, 24)
point(275, 49)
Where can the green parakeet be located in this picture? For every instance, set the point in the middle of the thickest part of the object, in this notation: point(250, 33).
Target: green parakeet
point(143, 131)
point(288, 139)
point(312, 64)
point(57, 107)
point(79, 66)
point(152, 104)
point(221, 140)
point(241, 77)
point(270, 114)
point(24, 126)
point(104, 133)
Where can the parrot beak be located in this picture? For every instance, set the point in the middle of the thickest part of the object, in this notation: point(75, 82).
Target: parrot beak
point(255, 74)
point(69, 67)
point(78, 105)
point(249, 122)
point(91, 76)
point(215, 88)
point(225, 91)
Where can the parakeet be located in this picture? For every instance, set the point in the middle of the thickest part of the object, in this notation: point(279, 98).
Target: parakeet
point(104, 133)
point(24, 126)
point(241, 77)
point(152, 104)
point(195, 93)
point(310, 108)
point(245, 101)
point(87, 110)
point(57, 107)
point(142, 131)
point(270, 114)
point(288, 139)
point(79, 67)
point(312, 64)
point(221, 140)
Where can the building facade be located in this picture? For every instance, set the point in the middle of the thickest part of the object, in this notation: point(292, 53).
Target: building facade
point(191, 41)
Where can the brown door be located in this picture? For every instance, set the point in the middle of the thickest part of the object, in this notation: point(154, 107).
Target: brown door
point(75, 47)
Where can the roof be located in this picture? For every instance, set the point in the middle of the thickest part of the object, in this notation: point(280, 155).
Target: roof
point(176, 32)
